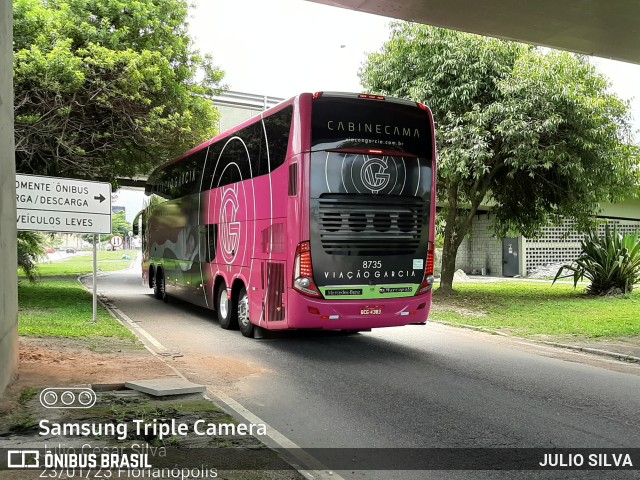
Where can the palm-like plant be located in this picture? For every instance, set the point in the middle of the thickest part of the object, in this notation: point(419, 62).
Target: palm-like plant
point(611, 263)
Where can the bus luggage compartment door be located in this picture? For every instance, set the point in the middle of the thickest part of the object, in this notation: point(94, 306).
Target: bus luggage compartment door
point(273, 291)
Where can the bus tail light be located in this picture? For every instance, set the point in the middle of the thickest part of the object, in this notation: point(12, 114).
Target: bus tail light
point(428, 280)
point(368, 96)
point(303, 271)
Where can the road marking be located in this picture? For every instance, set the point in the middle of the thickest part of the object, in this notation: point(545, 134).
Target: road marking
point(280, 441)
point(277, 439)
point(137, 329)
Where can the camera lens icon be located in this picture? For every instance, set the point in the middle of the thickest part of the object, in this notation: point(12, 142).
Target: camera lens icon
point(69, 397)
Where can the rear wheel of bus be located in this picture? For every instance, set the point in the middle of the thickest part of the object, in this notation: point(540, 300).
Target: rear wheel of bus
point(159, 288)
point(226, 309)
point(246, 327)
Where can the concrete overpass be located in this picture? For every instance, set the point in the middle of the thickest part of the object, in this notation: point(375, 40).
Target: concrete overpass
point(605, 28)
point(597, 27)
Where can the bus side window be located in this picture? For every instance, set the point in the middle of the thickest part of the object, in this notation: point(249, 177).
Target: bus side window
point(278, 127)
point(208, 241)
point(293, 180)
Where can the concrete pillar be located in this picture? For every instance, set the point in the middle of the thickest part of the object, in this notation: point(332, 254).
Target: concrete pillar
point(8, 249)
point(522, 251)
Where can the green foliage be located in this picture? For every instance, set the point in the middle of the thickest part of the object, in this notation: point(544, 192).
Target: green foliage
point(107, 88)
point(611, 263)
point(119, 226)
point(63, 308)
point(538, 308)
point(27, 394)
point(83, 263)
point(31, 247)
point(536, 133)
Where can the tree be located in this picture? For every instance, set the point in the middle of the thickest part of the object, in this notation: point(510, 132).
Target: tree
point(119, 226)
point(535, 132)
point(107, 88)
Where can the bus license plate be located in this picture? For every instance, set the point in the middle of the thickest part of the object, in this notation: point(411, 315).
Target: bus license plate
point(371, 311)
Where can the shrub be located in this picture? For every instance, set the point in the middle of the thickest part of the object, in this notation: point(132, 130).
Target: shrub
point(611, 263)
point(31, 247)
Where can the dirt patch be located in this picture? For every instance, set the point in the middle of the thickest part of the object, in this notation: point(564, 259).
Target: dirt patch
point(209, 370)
point(87, 361)
point(59, 362)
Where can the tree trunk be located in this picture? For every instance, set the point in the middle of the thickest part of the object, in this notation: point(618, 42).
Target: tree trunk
point(449, 249)
point(448, 266)
point(456, 228)
point(454, 232)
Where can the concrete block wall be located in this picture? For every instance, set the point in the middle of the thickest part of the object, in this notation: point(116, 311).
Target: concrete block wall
point(8, 258)
point(463, 258)
point(558, 244)
point(561, 244)
point(481, 249)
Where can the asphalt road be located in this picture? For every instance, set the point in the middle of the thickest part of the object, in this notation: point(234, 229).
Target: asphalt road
point(414, 386)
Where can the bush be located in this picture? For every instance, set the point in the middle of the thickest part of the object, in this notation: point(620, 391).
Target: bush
point(611, 263)
point(31, 247)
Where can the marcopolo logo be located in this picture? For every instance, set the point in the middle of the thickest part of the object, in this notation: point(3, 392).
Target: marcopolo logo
point(68, 397)
point(23, 459)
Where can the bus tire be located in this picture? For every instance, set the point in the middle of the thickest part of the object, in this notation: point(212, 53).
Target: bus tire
point(160, 286)
point(152, 277)
point(226, 309)
point(244, 322)
point(157, 288)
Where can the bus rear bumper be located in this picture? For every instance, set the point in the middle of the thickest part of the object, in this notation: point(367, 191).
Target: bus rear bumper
point(306, 312)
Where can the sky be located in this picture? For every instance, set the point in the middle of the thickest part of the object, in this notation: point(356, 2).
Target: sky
point(282, 48)
point(285, 47)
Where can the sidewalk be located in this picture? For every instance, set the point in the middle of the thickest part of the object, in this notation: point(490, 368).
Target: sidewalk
point(627, 350)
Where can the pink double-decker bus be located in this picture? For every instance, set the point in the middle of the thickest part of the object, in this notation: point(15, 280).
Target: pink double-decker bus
point(317, 214)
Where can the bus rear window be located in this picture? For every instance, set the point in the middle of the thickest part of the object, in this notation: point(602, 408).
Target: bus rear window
point(352, 123)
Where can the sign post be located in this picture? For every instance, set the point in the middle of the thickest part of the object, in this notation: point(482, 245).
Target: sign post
point(52, 204)
point(95, 278)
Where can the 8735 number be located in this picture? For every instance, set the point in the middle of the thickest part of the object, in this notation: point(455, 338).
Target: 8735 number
point(372, 264)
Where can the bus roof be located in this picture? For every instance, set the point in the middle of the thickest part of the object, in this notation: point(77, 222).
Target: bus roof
point(268, 112)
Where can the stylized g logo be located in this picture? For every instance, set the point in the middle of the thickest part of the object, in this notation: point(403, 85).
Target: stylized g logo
point(373, 174)
point(229, 227)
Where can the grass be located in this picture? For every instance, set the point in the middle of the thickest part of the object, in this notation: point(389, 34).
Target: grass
point(63, 308)
point(534, 308)
point(81, 264)
point(27, 394)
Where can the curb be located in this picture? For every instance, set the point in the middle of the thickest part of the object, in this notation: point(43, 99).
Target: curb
point(594, 351)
